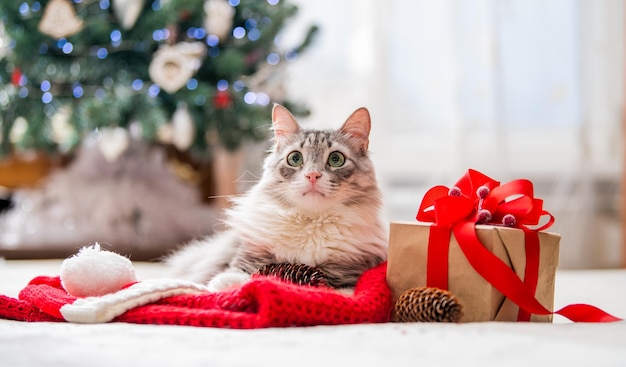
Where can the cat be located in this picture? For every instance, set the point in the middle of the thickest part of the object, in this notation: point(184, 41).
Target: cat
point(317, 203)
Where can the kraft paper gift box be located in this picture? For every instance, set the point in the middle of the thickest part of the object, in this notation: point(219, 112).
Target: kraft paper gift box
point(407, 268)
point(482, 241)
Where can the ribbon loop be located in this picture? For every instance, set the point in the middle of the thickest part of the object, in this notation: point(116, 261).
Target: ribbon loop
point(426, 211)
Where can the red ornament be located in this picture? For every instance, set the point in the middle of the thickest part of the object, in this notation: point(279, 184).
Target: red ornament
point(16, 76)
point(253, 57)
point(185, 14)
point(222, 100)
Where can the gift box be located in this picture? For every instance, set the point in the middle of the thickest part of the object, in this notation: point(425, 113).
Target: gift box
point(481, 241)
point(407, 268)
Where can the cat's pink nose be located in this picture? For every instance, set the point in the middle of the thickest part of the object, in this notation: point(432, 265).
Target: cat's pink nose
point(313, 176)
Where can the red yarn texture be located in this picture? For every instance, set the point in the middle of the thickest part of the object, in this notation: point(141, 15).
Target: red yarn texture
point(262, 302)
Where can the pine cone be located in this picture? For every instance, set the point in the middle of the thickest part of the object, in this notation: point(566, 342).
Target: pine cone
point(427, 304)
point(295, 273)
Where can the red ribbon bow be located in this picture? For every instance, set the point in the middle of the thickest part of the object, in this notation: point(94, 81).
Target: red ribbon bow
point(462, 203)
point(478, 199)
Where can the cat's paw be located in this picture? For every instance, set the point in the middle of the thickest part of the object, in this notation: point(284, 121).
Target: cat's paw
point(227, 279)
point(346, 291)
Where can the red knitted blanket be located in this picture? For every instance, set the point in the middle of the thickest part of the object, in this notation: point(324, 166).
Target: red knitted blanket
point(261, 302)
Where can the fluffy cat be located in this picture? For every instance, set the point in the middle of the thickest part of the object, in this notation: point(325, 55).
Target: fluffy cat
point(317, 203)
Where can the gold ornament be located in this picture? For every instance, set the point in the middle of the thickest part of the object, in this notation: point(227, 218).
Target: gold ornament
point(62, 132)
point(172, 66)
point(218, 18)
point(127, 12)
point(184, 171)
point(18, 130)
point(164, 133)
point(112, 142)
point(4, 42)
point(59, 20)
point(182, 127)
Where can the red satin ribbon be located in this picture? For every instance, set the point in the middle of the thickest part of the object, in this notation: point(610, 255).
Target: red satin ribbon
point(531, 272)
point(458, 215)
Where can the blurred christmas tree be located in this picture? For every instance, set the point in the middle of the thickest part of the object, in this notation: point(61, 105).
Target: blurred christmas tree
point(117, 76)
point(187, 72)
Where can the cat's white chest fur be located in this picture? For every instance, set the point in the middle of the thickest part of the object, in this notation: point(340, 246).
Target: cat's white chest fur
point(309, 240)
point(301, 238)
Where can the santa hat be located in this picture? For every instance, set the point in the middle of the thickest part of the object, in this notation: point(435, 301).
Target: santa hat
point(83, 295)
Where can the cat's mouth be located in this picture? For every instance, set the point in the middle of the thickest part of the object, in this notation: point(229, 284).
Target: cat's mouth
point(312, 191)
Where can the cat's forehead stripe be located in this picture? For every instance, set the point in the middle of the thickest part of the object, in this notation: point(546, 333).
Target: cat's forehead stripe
point(313, 138)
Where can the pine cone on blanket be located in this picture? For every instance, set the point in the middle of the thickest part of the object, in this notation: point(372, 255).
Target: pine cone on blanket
point(295, 273)
point(427, 304)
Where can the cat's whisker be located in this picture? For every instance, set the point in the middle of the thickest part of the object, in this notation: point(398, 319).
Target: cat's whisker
point(280, 195)
point(246, 172)
point(265, 127)
point(222, 196)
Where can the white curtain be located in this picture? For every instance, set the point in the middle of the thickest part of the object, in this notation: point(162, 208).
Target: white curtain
point(514, 88)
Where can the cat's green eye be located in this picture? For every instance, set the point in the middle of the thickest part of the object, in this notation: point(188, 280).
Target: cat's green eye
point(294, 159)
point(336, 159)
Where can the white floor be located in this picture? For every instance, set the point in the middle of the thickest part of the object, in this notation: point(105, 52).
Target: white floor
point(475, 344)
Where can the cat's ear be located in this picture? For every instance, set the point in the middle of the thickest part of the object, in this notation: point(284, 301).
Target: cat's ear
point(358, 127)
point(283, 122)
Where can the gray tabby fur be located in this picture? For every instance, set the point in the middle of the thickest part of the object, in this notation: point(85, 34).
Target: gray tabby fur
point(314, 214)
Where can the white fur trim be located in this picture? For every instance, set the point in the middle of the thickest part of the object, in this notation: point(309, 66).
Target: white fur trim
point(93, 310)
point(227, 279)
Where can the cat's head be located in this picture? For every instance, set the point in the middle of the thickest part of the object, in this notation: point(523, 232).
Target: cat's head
point(316, 170)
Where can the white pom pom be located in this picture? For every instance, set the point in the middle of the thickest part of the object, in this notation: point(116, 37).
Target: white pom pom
point(95, 272)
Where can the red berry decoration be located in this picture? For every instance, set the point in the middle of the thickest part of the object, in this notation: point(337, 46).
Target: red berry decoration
point(484, 216)
point(509, 220)
point(483, 192)
point(427, 304)
point(454, 191)
point(295, 273)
